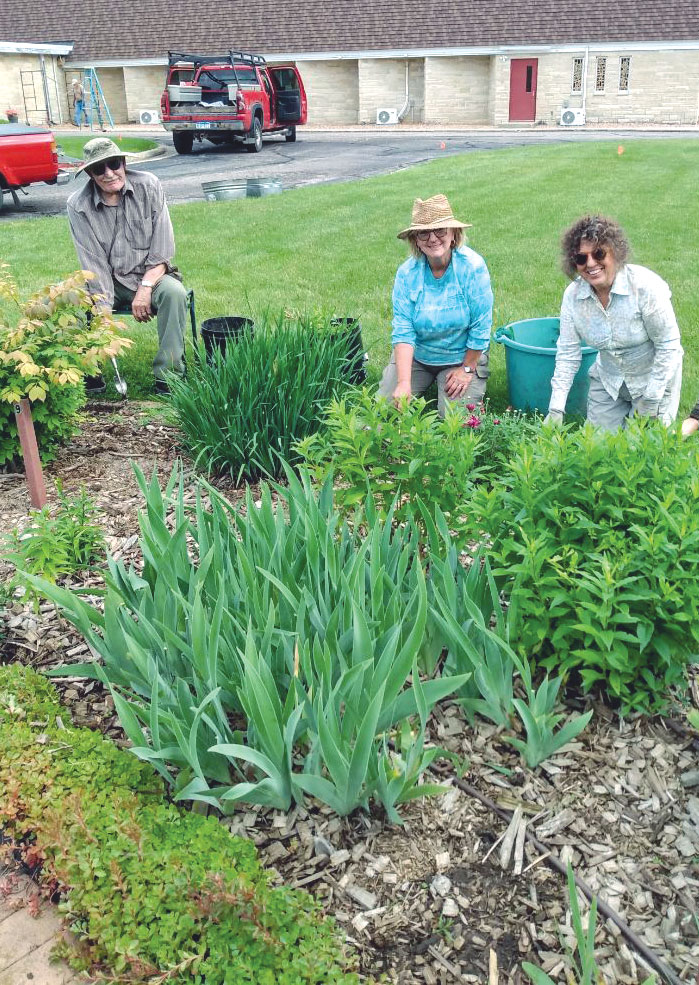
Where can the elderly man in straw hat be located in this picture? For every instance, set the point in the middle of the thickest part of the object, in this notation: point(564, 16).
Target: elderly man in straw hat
point(122, 232)
point(442, 311)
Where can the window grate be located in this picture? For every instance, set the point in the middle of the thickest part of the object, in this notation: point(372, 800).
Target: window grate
point(577, 79)
point(601, 74)
point(624, 73)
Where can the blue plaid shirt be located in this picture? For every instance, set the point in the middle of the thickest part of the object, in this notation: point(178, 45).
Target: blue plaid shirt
point(443, 318)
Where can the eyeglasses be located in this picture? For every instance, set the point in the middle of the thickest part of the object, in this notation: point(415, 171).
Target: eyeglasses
point(425, 235)
point(580, 259)
point(98, 169)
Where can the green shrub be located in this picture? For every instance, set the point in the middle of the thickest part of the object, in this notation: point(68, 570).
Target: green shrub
point(404, 453)
point(243, 411)
point(595, 539)
point(410, 453)
point(56, 420)
point(150, 892)
point(47, 344)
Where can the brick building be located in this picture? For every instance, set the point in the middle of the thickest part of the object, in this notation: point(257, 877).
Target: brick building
point(466, 62)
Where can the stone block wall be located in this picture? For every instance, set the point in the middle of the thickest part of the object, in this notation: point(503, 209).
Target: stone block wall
point(16, 69)
point(143, 87)
point(499, 102)
point(663, 88)
point(332, 88)
point(457, 90)
point(382, 85)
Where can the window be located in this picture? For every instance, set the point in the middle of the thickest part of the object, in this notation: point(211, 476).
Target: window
point(624, 73)
point(601, 74)
point(219, 78)
point(577, 80)
point(528, 85)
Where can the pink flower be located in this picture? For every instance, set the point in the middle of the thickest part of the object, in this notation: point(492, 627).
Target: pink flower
point(496, 420)
point(470, 406)
point(473, 422)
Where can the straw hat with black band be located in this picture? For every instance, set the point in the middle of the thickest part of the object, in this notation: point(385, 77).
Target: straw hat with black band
point(100, 149)
point(432, 213)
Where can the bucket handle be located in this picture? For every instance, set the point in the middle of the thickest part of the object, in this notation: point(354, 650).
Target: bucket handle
point(504, 332)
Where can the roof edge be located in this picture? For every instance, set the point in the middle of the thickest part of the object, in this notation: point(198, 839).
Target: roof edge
point(509, 49)
point(61, 48)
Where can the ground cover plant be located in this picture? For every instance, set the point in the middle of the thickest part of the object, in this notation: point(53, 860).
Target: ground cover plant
point(242, 410)
point(48, 342)
point(594, 539)
point(151, 892)
point(291, 237)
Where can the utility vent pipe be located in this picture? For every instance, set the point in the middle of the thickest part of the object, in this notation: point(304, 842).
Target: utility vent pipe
point(406, 104)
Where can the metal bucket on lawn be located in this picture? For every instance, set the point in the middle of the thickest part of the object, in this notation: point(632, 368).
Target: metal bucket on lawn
point(217, 332)
point(233, 188)
point(530, 358)
point(357, 358)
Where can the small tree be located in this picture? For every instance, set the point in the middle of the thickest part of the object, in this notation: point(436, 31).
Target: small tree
point(55, 338)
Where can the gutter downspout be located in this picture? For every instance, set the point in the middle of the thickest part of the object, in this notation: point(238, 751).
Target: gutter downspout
point(586, 59)
point(406, 105)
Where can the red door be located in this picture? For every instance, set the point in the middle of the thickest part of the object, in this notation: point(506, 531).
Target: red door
point(523, 88)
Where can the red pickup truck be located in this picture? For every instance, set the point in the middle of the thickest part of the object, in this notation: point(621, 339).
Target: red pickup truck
point(230, 97)
point(27, 154)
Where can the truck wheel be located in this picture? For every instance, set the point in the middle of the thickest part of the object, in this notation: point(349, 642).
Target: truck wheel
point(256, 133)
point(183, 141)
point(2, 196)
point(290, 136)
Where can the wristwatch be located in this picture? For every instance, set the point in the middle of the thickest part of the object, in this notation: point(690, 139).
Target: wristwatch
point(468, 370)
point(147, 283)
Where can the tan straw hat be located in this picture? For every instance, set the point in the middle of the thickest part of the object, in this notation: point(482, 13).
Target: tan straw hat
point(432, 213)
point(99, 149)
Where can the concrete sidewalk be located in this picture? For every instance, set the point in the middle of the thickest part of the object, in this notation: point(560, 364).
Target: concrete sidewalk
point(26, 941)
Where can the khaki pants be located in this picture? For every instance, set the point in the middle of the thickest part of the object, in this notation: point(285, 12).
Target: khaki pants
point(609, 414)
point(168, 300)
point(423, 375)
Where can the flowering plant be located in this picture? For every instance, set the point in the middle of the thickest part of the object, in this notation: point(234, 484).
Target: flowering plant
point(498, 436)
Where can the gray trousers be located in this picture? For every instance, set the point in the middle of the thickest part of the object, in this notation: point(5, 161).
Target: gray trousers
point(609, 414)
point(423, 374)
point(169, 301)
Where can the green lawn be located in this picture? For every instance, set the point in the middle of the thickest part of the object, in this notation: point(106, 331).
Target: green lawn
point(332, 249)
point(72, 146)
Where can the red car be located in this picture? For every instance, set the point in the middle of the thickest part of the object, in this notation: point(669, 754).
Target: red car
point(27, 154)
point(225, 98)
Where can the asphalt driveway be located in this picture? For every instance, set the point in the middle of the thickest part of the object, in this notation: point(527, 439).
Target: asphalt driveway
point(318, 156)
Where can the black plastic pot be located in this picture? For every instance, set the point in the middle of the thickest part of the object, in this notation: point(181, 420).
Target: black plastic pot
point(357, 358)
point(216, 332)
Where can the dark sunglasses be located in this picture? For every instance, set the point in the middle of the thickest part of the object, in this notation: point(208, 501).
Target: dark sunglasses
point(580, 259)
point(98, 169)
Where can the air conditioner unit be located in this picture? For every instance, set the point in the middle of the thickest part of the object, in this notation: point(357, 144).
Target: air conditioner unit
point(572, 117)
point(148, 116)
point(384, 116)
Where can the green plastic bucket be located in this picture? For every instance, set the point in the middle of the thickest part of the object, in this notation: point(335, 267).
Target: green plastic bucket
point(530, 358)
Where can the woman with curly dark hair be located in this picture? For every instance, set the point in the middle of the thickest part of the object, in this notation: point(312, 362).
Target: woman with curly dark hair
point(623, 310)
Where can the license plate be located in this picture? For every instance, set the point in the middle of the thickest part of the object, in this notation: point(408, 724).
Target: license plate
point(202, 126)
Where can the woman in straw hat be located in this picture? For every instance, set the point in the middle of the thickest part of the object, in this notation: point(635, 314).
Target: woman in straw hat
point(442, 311)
